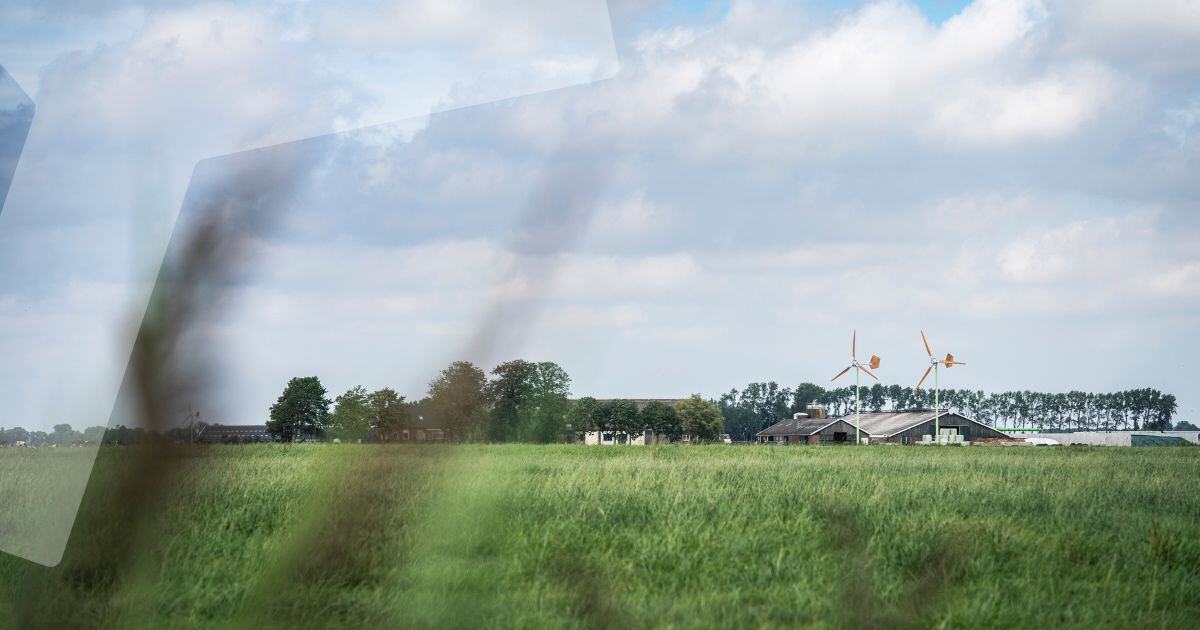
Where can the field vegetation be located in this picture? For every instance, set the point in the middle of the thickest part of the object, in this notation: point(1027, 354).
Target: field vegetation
point(685, 536)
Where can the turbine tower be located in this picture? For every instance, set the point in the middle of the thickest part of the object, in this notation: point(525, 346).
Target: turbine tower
point(937, 390)
point(857, 367)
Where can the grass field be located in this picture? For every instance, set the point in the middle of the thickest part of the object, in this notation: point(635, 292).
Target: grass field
point(567, 536)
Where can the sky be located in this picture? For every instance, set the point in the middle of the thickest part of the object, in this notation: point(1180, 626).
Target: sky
point(751, 182)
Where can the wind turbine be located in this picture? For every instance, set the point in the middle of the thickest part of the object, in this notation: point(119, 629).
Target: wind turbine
point(934, 362)
point(857, 367)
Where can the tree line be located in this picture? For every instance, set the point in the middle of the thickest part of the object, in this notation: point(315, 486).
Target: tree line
point(759, 405)
point(525, 401)
point(520, 401)
point(694, 417)
point(65, 435)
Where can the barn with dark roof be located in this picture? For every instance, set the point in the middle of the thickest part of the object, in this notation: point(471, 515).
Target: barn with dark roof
point(803, 429)
point(911, 427)
point(892, 427)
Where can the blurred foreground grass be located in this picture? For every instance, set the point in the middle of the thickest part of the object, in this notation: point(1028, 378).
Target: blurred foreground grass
point(718, 536)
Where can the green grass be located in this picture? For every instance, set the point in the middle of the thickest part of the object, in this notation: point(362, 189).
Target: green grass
point(569, 536)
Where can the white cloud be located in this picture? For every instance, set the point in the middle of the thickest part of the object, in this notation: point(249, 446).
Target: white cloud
point(883, 72)
point(632, 217)
point(1078, 251)
point(1158, 38)
point(778, 178)
point(1179, 281)
point(1046, 108)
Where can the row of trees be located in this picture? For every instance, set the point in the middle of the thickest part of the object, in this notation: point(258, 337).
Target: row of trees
point(521, 401)
point(65, 435)
point(525, 401)
point(698, 418)
point(759, 405)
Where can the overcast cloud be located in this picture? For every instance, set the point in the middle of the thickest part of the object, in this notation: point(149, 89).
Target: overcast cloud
point(1018, 178)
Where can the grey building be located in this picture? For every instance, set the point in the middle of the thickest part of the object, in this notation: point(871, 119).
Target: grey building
point(893, 427)
point(910, 427)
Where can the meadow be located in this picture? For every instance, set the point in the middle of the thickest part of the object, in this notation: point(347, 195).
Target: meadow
point(570, 536)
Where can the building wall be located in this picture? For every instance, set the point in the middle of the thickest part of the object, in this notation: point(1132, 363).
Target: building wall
point(828, 435)
point(593, 438)
point(1109, 438)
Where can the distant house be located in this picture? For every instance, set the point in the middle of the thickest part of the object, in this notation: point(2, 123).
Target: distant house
point(423, 429)
point(893, 427)
point(423, 426)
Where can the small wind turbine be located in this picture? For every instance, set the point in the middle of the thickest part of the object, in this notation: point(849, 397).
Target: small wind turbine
point(857, 367)
point(937, 390)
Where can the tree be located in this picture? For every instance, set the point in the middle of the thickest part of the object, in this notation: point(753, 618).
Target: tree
point(302, 410)
point(352, 415)
point(64, 435)
point(510, 393)
point(804, 394)
point(587, 415)
point(624, 418)
point(1186, 426)
point(93, 434)
point(875, 397)
point(740, 420)
point(552, 390)
point(389, 414)
point(699, 418)
point(14, 435)
point(529, 401)
point(457, 400)
point(662, 419)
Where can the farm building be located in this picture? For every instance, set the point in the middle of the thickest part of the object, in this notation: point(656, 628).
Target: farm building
point(1116, 438)
point(233, 433)
point(911, 427)
point(803, 429)
point(893, 427)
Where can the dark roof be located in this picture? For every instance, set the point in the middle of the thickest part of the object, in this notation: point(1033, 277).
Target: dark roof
point(797, 426)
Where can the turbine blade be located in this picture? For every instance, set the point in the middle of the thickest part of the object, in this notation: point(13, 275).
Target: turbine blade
point(839, 374)
point(868, 372)
point(925, 376)
point(854, 345)
point(874, 362)
point(926, 342)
